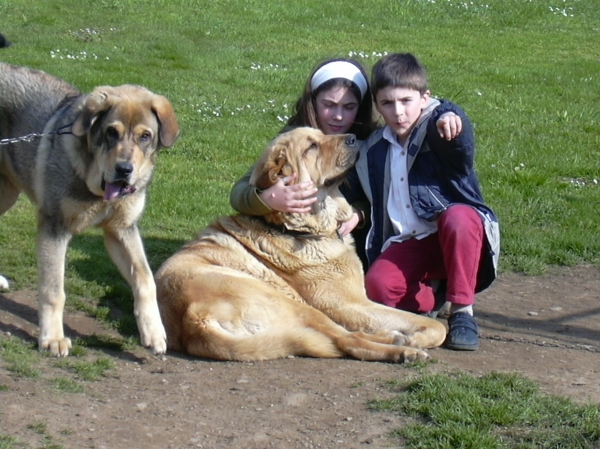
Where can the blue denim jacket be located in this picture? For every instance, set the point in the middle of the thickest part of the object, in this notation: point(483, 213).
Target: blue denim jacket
point(440, 173)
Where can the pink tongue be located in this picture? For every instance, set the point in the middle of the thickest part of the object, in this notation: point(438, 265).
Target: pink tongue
point(111, 190)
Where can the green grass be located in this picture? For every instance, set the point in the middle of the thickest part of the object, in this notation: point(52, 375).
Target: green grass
point(490, 412)
point(23, 360)
point(525, 71)
point(19, 357)
point(9, 443)
point(86, 370)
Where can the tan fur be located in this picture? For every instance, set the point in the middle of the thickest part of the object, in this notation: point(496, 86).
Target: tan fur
point(112, 140)
point(251, 288)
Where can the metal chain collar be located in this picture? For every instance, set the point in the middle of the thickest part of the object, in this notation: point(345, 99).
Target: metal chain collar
point(30, 137)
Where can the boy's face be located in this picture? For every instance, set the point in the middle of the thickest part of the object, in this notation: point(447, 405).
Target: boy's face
point(401, 108)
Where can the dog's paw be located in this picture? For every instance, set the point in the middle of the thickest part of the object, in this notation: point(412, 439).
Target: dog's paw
point(158, 344)
point(153, 336)
point(401, 339)
point(3, 284)
point(56, 347)
point(414, 355)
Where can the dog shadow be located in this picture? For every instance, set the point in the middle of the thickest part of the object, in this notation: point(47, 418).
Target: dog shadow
point(565, 327)
point(94, 266)
point(91, 265)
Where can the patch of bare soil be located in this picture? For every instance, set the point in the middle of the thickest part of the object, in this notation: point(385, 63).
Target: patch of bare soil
point(546, 328)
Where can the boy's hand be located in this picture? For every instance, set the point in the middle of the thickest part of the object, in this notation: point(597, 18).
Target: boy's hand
point(348, 226)
point(296, 198)
point(449, 125)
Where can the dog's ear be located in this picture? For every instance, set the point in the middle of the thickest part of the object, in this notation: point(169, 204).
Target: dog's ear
point(273, 166)
point(169, 129)
point(95, 103)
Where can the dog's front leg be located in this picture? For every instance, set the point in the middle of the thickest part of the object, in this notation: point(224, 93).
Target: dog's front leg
point(51, 254)
point(127, 251)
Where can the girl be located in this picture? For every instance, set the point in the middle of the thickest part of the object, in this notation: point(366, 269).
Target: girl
point(336, 100)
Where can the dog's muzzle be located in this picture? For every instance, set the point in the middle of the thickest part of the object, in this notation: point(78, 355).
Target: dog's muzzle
point(120, 186)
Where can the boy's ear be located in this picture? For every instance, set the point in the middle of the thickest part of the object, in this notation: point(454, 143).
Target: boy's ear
point(425, 99)
point(376, 103)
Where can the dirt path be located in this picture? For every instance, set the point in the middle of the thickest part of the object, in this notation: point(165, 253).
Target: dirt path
point(547, 328)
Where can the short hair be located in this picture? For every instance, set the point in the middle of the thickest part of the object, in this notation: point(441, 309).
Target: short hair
point(305, 113)
point(401, 70)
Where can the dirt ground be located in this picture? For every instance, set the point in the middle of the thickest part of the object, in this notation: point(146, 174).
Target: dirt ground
point(547, 328)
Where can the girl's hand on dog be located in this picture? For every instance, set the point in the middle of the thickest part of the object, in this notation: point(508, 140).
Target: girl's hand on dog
point(295, 198)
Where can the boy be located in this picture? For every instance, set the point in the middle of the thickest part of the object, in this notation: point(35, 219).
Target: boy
point(415, 190)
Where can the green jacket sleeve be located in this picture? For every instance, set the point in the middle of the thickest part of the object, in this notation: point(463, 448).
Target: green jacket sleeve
point(244, 197)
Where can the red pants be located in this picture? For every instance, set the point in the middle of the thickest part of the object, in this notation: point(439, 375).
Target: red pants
point(400, 276)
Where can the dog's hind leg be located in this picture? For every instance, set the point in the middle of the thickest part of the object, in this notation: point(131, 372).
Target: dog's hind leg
point(224, 314)
point(51, 255)
point(8, 197)
point(207, 337)
point(356, 345)
point(9, 193)
point(127, 252)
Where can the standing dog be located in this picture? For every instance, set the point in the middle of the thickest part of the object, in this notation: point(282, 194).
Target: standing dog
point(257, 288)
point(91, 168)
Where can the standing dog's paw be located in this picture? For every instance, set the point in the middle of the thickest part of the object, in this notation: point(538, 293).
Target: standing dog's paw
point(56, 347)
point(152, 333)
point(156, 341)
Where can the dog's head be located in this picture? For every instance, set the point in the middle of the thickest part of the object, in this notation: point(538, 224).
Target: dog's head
point(124, 127)
point(313, 156)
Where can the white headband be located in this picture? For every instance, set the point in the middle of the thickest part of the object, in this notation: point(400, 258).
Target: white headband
point(340, 69)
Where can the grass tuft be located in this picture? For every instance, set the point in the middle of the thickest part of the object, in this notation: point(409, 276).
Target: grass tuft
point(492, 411)
point(86, 370)
point(20, 356)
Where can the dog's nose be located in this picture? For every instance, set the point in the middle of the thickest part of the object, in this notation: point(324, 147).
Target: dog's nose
point(123, 169)
point(351, 140)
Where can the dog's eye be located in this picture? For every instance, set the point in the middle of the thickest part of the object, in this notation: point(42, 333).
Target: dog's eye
point(313, 146)
point(112, 133)
point(145, 136)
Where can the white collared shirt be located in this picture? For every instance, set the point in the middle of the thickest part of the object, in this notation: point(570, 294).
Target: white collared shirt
point(405, 222)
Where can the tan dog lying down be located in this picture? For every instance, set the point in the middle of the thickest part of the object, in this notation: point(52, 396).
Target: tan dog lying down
point(257, 288)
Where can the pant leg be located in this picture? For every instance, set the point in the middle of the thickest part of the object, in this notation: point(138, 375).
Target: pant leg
point(462, 238)
point(399, 276)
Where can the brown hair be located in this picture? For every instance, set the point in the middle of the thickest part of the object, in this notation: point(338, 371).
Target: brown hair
point(305, 108)
point(398, 70)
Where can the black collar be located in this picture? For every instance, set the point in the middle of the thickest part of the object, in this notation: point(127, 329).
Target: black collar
point(291, 232)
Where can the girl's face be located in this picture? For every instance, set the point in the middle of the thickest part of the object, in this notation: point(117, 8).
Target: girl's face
point(336, 110)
